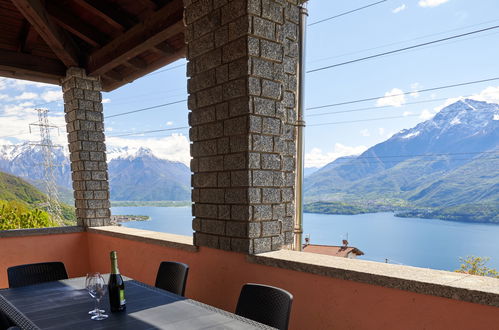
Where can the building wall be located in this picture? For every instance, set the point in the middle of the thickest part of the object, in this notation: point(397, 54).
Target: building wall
point(216, 277)
point(71, 249)
point(320, 302)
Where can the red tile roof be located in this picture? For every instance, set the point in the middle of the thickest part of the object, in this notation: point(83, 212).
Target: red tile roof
point(337, 251)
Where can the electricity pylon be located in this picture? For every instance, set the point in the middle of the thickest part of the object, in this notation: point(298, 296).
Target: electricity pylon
point(47, 147)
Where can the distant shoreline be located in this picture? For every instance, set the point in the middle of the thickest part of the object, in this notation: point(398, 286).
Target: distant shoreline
point(470, 213)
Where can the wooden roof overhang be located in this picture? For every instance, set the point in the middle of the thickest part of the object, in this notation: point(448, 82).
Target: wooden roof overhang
point(118, 40)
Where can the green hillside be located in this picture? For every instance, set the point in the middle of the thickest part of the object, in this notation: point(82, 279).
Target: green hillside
point(13, 188)
point(20, 206)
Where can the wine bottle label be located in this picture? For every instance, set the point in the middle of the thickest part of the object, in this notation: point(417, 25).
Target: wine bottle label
point(122, 298)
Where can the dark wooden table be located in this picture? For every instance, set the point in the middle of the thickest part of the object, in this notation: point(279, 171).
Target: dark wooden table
point(65, 305)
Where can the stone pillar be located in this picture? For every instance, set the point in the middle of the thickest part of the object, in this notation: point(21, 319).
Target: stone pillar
point(85, 128)
point(242, 61)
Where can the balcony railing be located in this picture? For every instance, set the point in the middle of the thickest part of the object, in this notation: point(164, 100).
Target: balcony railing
point(329, 292)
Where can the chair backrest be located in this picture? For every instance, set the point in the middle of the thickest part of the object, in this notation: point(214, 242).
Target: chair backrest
point(172, 276)
point(265, 304)
point(36, 273)
point(4, 321)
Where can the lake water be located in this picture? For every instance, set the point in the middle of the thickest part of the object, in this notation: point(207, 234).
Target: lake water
point(428, 243)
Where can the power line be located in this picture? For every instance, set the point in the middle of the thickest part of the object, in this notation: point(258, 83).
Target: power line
point(405, 93)
point(167, 69)
point(403, 49)
point(402, 161)
point(402, 41)
point(346, 13)
point(144, 109)
point(422, 155)
point(152, 131)
point(376, 108)
point(381, 118)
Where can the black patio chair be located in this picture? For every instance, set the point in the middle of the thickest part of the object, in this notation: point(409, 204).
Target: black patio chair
point(265, 304)
point(36, 273)
point(4, 321)
point(172, 276)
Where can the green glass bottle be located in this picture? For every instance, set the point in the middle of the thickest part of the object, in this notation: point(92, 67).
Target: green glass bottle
point(116, 286)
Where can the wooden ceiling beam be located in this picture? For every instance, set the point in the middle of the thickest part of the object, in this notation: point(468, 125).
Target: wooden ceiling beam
point(163, 24)
point(164, 48)
point(29, 40)
point(75, 25)
point(25, 66)
point(56, 38)
point(109, 85)
point(111, 14)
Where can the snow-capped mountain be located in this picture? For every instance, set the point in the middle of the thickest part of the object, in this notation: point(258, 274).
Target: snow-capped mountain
point(135, 174)
point(26, 161)
point(447, 159)
point(140, 175)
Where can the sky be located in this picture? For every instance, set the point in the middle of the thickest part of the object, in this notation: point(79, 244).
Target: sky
point(380, 28)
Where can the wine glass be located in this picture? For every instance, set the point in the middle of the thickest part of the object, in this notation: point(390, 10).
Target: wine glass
point(95, 310)
point(96, 287)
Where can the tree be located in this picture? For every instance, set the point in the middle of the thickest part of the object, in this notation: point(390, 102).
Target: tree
point(476, 266)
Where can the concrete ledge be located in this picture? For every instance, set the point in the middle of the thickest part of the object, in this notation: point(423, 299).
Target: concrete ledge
point(40, 231)
point(469, 288)
point(146, 236)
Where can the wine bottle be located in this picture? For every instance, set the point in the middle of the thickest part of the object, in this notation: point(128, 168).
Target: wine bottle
point(116, 286)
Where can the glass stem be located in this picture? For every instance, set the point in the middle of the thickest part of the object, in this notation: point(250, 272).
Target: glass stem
point(98, 307)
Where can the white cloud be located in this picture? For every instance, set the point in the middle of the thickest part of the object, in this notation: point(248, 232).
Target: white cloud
point(406, 113)
point(426, 114)
point(22, 84)
point(51, 96)
point(431, 3)
point(26, 96)
point(394, 98)
point(4, 97)
point(169, 123)
point(496, 117)
point(16, 122)
point(27, 104)
point(399, 9)
point(109, 129)
point(106, 100)
point(365, 132)
point(317, 158)
point(381, 131)
point(175, 147)
point(489, 94)
point(3, 85)
point(415, 87)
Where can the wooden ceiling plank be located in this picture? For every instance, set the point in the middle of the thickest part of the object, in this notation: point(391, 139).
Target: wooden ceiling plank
point(164, 48)
point(137, 63)
point(75, 25)
point(25, 66)
point(163, 24)
point(112, 15)
point(112, 85)
point(54, 36)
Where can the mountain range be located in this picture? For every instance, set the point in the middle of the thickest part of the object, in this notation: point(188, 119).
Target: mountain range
point(134, 175)
point(451, 159)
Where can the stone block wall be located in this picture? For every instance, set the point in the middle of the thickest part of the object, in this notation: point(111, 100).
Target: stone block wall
point(242, 62)
point(85, 128)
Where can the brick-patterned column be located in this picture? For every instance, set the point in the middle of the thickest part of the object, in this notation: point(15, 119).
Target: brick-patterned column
point(85, 127)
point(242, 67)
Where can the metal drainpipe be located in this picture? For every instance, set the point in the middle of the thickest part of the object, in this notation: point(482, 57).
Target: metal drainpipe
point(300, 124)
